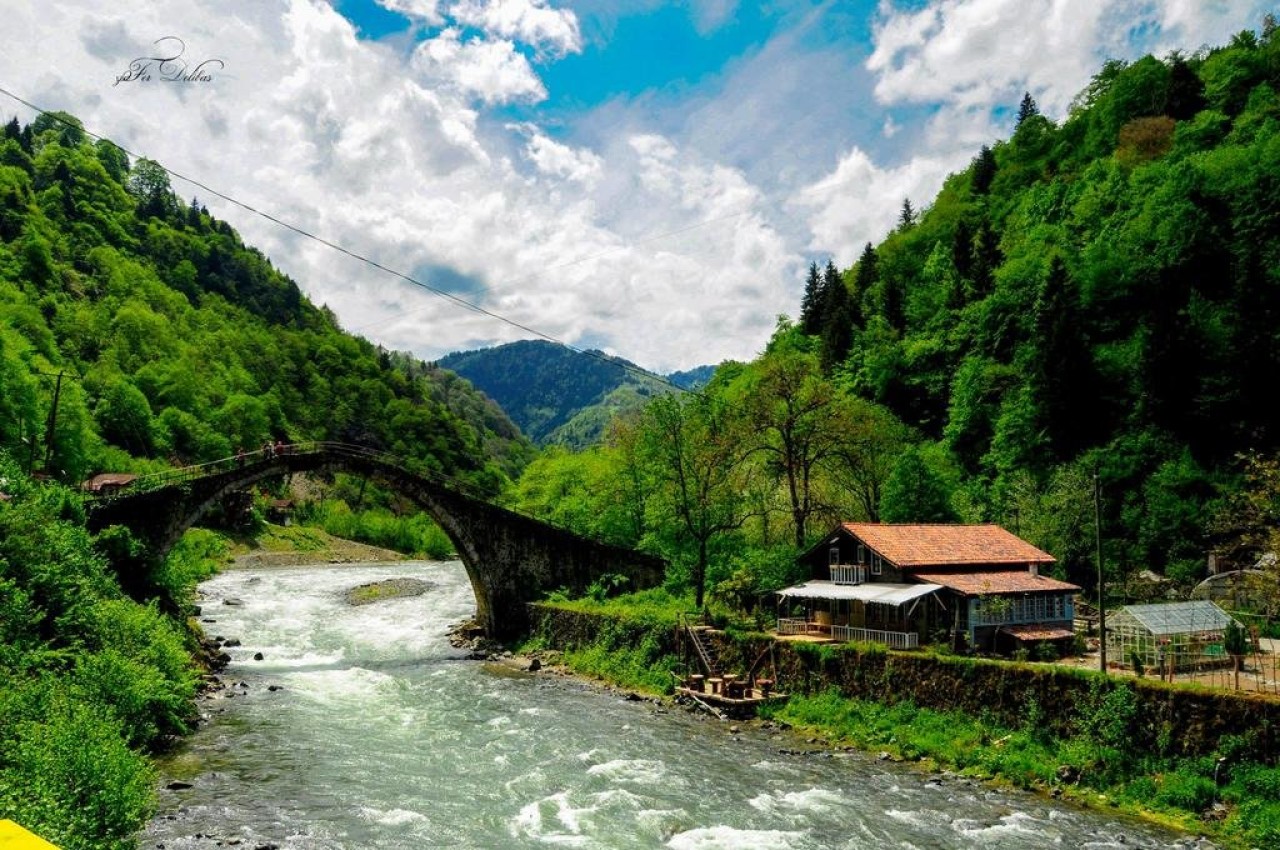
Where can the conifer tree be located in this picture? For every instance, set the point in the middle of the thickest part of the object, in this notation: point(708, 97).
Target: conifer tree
point(984, 171)
point(907, 217)
point(811, 303)
point(1060, 372)
point(1027, 108)
point(837, 323)
point(1186, 91)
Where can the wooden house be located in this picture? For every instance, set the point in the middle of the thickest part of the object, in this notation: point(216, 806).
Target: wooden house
point(976, 586)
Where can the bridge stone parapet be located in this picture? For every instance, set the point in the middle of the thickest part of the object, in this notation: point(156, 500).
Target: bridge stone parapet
point(511, 559)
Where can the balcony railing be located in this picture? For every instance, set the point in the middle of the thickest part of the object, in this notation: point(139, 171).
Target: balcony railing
point(893, 640)
point(848, 573)
point(798, 626)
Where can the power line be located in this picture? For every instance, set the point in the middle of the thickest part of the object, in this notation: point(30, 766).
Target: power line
point(462, 302)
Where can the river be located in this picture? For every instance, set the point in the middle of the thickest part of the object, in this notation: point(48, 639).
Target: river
point(381, 735)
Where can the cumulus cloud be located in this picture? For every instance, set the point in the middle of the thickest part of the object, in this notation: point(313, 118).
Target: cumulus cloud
point(966, 63)
point(555, 159)
point(859, 201)
point(427, 11)
point(670, 242)
point(492, 70)
point(532, 22)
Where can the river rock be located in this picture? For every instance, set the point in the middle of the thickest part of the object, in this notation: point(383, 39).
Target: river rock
point(232, 642)
point(258, 656)
point(1067, 773)
point(534, 665)
point(178, 785)
point(233, 602)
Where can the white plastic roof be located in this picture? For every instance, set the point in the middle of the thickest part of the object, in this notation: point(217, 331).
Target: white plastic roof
point(1172, 618)
point(880, 593)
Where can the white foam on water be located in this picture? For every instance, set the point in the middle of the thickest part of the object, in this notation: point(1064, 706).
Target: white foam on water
point(923, 818)
point(496, 722)
point(812, 801)
point(392, 817)
point(538, 820)
point(729, 838)
point(589, 756)
point(639, 771)
point(1017, 823)
point(342, 687)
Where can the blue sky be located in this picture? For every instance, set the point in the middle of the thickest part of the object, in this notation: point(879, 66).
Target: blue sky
point(645, 177)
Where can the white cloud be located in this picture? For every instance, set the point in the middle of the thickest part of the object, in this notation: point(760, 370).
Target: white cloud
point(965, 64)
point(427, 11)
point(492, 70)
point(553, 31)
point(668, 239)
point(859, 201)
point(554, 159)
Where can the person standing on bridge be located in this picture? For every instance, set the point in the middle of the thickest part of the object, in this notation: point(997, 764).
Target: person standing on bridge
point(239, 455)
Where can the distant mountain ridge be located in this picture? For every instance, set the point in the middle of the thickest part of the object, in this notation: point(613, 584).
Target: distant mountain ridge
point(561, 396)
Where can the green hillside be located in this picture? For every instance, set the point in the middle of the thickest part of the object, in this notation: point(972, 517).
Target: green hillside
point(1096, 299)
point(556, 395)
point(178, 343)
point(1100, 294)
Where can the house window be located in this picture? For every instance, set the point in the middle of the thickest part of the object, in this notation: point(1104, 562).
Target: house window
point(862, 554)
point(833, 555)
point(876, 566)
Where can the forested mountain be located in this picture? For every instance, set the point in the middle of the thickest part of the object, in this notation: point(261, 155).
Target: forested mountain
point(1096, 295)
point(1090, 306)
point(555, 394)
point(177, 343)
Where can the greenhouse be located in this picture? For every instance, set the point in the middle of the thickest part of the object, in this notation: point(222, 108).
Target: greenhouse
point(1173, 636)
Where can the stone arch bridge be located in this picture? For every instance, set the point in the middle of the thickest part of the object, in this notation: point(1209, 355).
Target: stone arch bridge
point(510, 558)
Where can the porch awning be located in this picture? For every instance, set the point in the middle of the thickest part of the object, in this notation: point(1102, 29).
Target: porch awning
point(879, 593)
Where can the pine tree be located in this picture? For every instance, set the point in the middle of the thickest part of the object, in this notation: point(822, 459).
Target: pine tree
point(984, 171)
point(811, 303)
point(13, 130)
point(1186, 91)
point(1027, 108)
point(865, 278)
point(986, 259)
point(837, 321)
point(1060, 374)
point(908, 216)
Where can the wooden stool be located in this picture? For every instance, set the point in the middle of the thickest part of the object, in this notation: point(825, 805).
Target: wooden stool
point(695, 682)
point(715, 683)
point(764, 686)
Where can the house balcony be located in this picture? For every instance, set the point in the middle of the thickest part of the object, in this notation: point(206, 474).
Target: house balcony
point(848, 573)
point(893, 640)
point(799, 627)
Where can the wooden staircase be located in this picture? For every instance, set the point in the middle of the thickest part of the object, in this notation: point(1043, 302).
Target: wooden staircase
point(705, 651)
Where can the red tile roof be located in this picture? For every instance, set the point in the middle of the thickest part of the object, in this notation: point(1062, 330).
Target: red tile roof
point(1038, 632)
point(1011, 581)
point(943, 545)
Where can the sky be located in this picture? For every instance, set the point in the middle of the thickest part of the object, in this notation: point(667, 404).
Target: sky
point(646, 178)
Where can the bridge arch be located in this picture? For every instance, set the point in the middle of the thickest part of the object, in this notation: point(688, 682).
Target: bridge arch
point(510, 559)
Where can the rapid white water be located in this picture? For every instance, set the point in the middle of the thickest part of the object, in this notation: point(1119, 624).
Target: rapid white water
point(383, 736)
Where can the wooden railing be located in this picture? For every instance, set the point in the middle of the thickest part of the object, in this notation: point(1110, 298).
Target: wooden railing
point(893, 640)
point(798, 626)
point(848, 573)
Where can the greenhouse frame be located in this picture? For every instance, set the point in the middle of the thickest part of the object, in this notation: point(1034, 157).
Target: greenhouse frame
point(1170, 636)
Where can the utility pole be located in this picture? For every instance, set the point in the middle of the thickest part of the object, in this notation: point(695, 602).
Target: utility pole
point(53, 424)
point(1102, 583)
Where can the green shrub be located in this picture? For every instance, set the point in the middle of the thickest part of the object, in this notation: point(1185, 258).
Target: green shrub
point(1186, 791)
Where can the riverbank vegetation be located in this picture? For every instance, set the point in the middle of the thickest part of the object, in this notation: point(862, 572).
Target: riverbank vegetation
point(1101, 740)
point(1238, 803)
point(90, 680)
